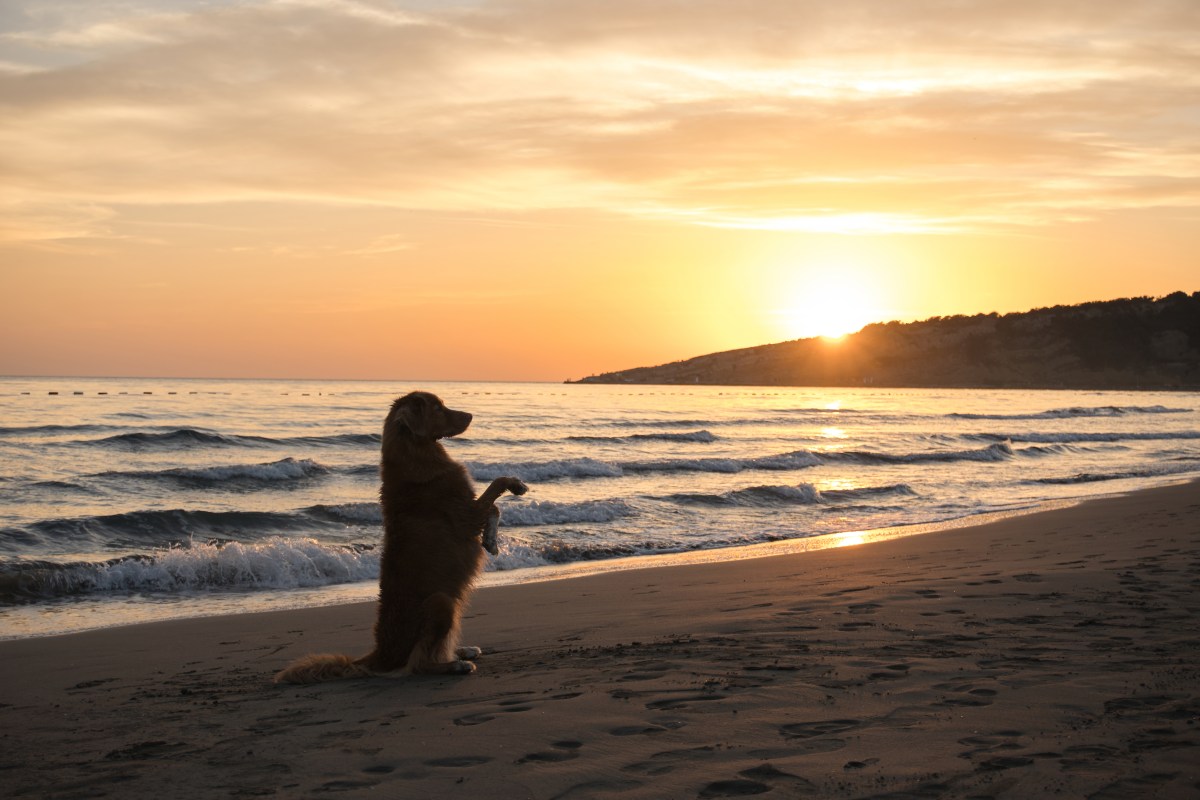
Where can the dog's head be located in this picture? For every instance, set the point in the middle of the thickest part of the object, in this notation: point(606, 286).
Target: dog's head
point(424, 416)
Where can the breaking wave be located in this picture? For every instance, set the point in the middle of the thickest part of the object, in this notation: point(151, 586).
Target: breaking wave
point(233, 476)
point(274, 563)
point(172, 526)
point(550, 513)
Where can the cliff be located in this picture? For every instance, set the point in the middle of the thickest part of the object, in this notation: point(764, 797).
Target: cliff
point(1132, 343)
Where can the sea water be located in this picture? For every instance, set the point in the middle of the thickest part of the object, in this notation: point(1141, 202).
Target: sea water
point(132, 499)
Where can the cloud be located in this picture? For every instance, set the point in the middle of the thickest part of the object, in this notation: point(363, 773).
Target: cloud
point(920, 117)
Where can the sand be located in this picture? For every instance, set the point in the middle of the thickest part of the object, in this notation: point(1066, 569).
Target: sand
point(1054, 654)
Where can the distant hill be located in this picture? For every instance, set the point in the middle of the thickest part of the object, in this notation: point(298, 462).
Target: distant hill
point(1132, 343)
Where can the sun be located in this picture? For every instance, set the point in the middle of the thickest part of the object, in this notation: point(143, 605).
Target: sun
point(830, 307)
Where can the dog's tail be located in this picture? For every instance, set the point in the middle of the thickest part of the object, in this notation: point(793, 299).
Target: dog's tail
point(322, 667)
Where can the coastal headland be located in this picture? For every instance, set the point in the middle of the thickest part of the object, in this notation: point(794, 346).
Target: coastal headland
point(1133, 343)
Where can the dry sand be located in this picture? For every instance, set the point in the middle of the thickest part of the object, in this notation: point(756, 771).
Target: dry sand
point(1048, 655)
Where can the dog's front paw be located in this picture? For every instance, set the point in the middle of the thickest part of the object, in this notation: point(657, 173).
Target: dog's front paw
point(517, 486)
point(468, 653)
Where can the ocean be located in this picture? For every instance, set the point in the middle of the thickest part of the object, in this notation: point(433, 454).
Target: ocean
point(128, 500)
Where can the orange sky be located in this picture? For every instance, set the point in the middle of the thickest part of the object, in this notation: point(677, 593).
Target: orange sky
point(546, 189)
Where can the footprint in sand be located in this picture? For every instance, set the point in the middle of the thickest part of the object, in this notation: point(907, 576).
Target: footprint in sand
point(893, 672)
point(683, 698)
point(808, 730)
point(988, 743)
point(509, 706)
point(591, 789)
point(563, 751)
point(646, 730)
point(971, 696)
point(815, 737)
point(458, 761)
point(668, 760)
point(769, 774)
point(734, 788)
point(488, 716)
point(864, 608)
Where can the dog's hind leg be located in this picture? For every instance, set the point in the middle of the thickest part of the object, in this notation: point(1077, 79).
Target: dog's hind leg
point(435, 650)
point(491, 532)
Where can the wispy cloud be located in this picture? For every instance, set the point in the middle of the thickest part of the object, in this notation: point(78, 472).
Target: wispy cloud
point(922, 117)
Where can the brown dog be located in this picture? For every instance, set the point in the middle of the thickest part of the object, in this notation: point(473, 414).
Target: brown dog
point(432, 550)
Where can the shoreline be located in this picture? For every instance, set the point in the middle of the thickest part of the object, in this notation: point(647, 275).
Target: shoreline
point(185, 606)
point(1050, 653)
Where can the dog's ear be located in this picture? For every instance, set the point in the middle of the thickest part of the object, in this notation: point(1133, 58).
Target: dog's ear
point(411, 412)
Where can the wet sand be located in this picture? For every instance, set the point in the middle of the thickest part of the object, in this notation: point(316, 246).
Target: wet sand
point(1055, 654)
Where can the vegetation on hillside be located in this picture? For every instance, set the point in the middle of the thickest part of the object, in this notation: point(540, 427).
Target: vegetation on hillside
point(1139, 342)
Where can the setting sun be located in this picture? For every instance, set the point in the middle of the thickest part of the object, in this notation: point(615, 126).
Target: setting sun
point(830, 308)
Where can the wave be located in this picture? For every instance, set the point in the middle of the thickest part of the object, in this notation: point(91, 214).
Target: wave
point(801, 494)
point(185, 438)
point(863, 492)
point(6, 430)
point(275, 563)
point(1080, 411)
point(1049, 450)
point(338, 439)
point(172, 526)
point(546, 470)
point(232, 476)
point(347, 513)
point(515, 514)
point(1096, 477)
point(178, 439)
point(659, 423)
point(578, 468)
point(702, 436)
point(778, 416)
point(1073, 438)
point(1000, 451)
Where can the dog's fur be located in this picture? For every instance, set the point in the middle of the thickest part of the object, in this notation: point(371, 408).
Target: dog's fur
point(432, 523)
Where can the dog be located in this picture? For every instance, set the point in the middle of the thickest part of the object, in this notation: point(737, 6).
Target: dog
point(434, 533)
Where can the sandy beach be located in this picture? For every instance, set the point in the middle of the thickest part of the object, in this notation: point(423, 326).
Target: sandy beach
point(1054, 654)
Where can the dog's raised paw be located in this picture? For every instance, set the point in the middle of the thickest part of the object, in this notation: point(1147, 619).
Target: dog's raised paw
point(518, 487)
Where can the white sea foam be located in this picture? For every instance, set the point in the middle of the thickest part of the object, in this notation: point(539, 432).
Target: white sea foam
point(546, 470)
point(286, 469)
point(550, 513)
point(273, 563)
